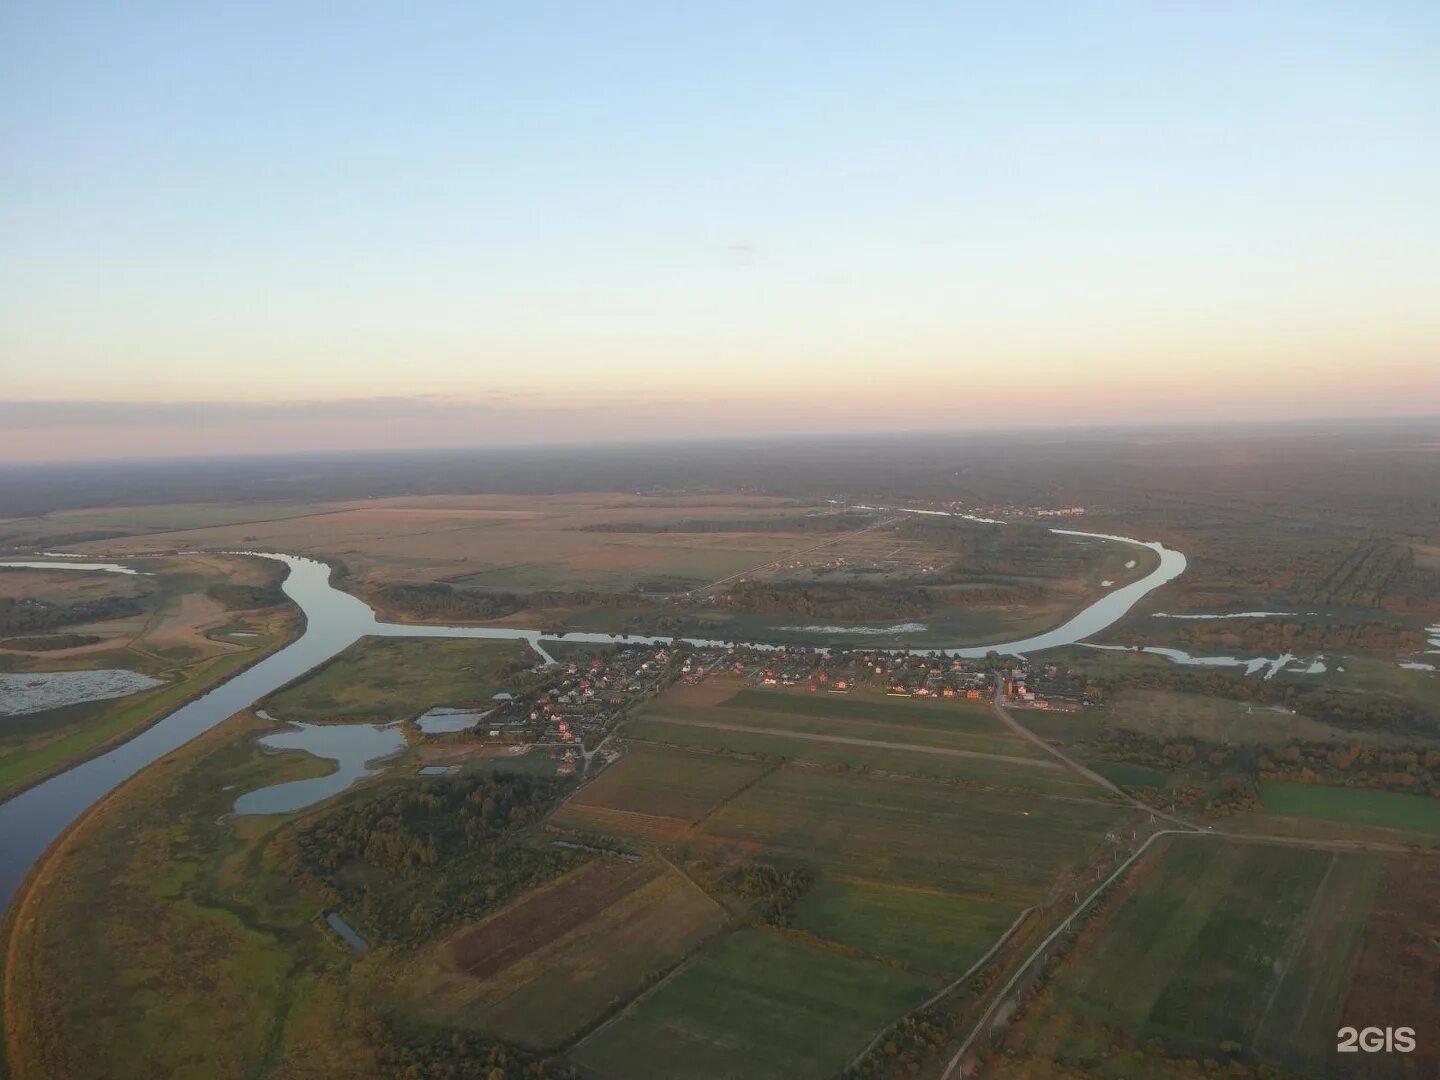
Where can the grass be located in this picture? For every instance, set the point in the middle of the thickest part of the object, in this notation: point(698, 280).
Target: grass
point(397, 678)
point(1169, 715)
point(1357, 806)
point(927, 930)
point(1216, 942)
point(754, 1004)
point(165, 933)
point(668, 783)
point(988, 844)
point(956, 715)
point(780, 744)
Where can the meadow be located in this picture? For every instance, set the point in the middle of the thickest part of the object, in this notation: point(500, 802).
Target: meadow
point(381, 678)
point(658, 562)
point(182, 633)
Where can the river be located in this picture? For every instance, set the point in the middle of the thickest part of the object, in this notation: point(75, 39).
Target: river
point(334, 619)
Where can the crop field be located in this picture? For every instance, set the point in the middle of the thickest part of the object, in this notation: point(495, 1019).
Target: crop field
point(1212, 944)
point(398, 678)
point(962, 766)
point(911, 832)
point(958, 740)
point(925, 929)
point(656, 793)
point(1396, 978)
point(754, 1004)
point(1356, 806)
point(544, 968)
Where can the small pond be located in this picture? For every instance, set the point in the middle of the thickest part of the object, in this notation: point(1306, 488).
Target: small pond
point(353, 748)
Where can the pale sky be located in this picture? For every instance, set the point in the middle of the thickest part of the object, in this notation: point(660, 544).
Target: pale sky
point(269, 226)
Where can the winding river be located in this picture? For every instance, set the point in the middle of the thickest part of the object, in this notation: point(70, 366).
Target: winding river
point(334, 619)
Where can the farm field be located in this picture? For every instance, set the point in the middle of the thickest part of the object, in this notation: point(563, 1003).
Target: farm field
point(656, 793)
point(551, 964)
point(981, 843)
point(1213, 948)
point(1357, 806)
point(918, 871)
point(959, 740)
point(925, 929)
point(753, 1004)
point(399, 678)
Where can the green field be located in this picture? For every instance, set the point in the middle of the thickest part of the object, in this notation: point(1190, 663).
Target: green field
point(754, 1004)
point(959, 740)
point(1217, 943)
point(669, 783)
point(957, 714)
point(1356, 806)
point(398, 678)
point(1039, 776)
point(899, 831)
point(927, 930)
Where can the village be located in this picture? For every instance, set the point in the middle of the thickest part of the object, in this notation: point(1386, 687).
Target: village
point(578, 701)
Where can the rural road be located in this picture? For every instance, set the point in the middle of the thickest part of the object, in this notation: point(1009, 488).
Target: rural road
point(1089, 774)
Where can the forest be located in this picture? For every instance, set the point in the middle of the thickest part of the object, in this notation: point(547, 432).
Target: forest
point(29, 616)
point(411, 859)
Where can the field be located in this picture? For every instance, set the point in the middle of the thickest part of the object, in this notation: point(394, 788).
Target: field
point(656, 559)
point(526, 542)
point(1169, 715)
point(167, 934)
point(753, 1004)
point(905, 832)
point(1357, 806)
point(1397, 973)
point(183, 632)
point(399, 678)
point(1215, 949)
point(913, 864)
point(554, 962)
point(656, 793)
point(958, 740)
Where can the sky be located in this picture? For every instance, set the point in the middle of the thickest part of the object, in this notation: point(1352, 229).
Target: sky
point(254, 227)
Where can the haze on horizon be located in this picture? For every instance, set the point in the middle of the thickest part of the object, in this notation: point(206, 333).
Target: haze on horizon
point(272, 227)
